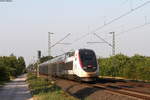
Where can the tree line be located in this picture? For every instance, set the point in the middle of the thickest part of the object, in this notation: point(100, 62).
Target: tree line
point(136, 67)
point(11, 66)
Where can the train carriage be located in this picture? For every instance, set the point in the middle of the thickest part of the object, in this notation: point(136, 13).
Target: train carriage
point(80, 64)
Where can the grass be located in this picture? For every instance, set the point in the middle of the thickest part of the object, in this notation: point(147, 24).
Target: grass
point(42, 89)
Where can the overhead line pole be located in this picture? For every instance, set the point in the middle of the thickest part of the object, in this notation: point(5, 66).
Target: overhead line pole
point(49, 43)
point(113, 54)
point(113, 43)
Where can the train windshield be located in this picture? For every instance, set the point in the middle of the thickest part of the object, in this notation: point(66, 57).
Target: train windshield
point(88, 59)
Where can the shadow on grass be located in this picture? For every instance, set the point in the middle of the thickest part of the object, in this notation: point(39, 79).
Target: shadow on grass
point(82, 94)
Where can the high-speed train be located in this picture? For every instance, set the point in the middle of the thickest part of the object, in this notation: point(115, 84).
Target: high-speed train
point(78, 65)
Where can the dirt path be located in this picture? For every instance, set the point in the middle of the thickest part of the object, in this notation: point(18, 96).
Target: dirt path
point(16, 90)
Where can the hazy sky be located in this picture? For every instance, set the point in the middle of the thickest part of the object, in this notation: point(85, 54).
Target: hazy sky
point(24, 26)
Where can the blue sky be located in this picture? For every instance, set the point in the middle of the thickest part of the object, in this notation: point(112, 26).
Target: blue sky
point(24, 26)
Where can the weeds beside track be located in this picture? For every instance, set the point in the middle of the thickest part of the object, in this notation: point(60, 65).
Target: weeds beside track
point(42, 89)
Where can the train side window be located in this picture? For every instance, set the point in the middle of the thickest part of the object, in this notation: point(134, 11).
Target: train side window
point(69, 54)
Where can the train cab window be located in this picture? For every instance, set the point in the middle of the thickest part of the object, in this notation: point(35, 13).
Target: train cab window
point(88, 59)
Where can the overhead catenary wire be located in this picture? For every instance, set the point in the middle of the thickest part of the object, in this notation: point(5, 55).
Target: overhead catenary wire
point(94, 42)
point(61, 39)
point(123, 15)
point(134, 28)
point(103, 39)
point(124, 2)
point(113, 20)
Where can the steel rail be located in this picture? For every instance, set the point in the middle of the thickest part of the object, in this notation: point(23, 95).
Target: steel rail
point(123, 91)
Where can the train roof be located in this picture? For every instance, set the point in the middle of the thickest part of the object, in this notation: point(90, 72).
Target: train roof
point(61, 58)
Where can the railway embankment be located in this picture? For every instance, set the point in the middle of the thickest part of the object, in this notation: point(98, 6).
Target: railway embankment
point(102, 89)
point(84, 91)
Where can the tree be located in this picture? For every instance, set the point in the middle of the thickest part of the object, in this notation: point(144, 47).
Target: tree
point(11, 66)
point(21, 65)
point(4, 72)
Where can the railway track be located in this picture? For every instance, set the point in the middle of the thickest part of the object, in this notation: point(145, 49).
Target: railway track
point(124, 91)
point(115, 89)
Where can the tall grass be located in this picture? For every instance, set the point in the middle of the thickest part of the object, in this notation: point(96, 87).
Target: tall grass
point(43, 89)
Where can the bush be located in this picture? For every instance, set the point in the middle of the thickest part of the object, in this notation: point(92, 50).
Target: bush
point(136, 67)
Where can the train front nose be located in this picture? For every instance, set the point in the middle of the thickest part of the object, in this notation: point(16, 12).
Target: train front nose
point(88, 60)
point(89, 67)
